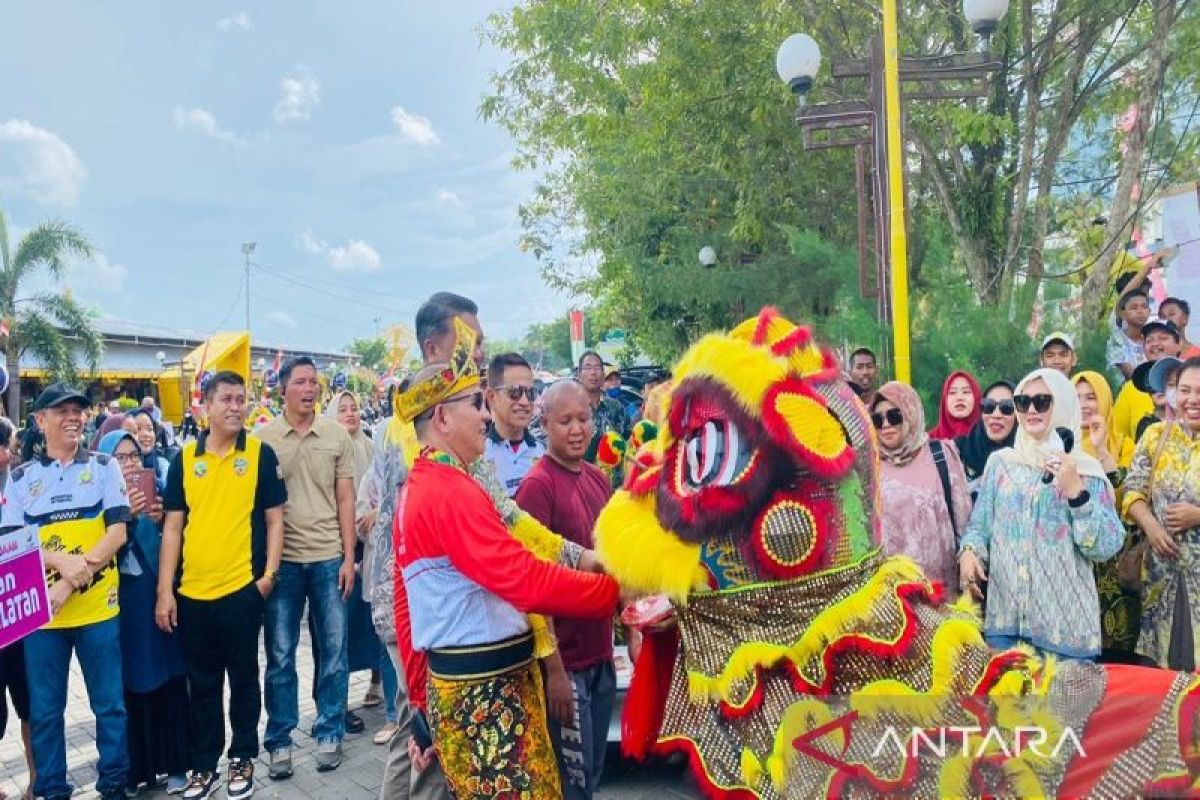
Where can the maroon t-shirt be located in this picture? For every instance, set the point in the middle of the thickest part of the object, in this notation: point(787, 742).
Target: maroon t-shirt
point(568, 503)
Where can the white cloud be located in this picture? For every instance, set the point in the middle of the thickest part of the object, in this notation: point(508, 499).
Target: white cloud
point(44, 164)
point(202, 120)
point(301, 93)
point(355, 256)
point(102, 274)
point(449, 197)
point(281, 318)
point(414, 127)
point(311, 244)
point(239, 20)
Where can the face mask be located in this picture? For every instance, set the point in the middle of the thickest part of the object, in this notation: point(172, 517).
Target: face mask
point(1171, 398)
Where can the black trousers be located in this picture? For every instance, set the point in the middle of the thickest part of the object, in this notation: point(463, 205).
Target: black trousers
point(220, 637)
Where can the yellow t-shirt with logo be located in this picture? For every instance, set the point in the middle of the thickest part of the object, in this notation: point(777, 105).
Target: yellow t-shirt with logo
point(72, 505)
point(225, 499)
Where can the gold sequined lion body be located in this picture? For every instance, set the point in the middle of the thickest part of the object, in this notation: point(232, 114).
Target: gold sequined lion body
point(805, 663)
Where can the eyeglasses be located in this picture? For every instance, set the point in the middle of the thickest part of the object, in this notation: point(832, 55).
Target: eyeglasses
point(128, 458)
point(989, 406)
point(476, 400)
point(1041, 402)
point(892, 416)
point(514, 392)
point(591, 368)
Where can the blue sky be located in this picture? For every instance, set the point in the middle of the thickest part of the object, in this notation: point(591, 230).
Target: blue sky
point(343, 138)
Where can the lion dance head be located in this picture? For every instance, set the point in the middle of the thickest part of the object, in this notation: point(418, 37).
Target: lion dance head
point(799, 644)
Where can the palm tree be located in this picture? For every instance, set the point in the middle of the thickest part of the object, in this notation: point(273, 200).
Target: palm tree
point(47, 325)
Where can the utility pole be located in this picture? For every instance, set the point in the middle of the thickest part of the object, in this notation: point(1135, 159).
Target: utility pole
point(247, 251)
point(898, 244)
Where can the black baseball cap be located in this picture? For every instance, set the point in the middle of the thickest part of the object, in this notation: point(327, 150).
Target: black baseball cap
point(58, 393)
point(1161, 325)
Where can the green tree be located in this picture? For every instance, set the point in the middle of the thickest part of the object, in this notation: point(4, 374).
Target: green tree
point(663, 128)
point(371, 352)
point(47, 325)
point(661, 131)
point(547, 345)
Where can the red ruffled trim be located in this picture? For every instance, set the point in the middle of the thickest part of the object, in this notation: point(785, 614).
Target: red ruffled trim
point(765, 318)
point(850, 642)
point(781, 432)
point(646, 700)
point(709, 788)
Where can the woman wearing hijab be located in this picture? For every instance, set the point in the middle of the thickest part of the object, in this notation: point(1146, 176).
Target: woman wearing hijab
point(156, 699)
point(148, 434)
point(995, 430)
point(924, 490)
point(1101, 440)
point(1120, 609)
point(1032, 539)
point(960, 406)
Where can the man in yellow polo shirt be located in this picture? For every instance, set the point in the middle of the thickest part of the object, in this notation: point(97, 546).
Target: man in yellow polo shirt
point(77, 499)
point(224, 504)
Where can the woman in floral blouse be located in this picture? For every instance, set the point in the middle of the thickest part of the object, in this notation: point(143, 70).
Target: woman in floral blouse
point(1162, 495)
point(1033, 540)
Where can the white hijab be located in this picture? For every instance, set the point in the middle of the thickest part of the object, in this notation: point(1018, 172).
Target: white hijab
point(1064, 414)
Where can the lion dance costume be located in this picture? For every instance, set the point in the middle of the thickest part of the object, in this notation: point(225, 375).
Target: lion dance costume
point(805, 663)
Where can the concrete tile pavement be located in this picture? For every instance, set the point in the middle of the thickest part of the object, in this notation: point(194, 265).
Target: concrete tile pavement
point(358, 778)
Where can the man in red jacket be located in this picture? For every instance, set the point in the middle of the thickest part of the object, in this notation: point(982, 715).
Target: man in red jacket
point(470, 586)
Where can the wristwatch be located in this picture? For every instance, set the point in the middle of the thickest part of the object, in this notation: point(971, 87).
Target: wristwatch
point(272, 575)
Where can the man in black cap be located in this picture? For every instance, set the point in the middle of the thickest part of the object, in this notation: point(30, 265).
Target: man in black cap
point(1161, 339)
point(78, 501)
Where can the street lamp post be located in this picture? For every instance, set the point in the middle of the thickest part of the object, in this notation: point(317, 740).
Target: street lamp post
point(876, 123)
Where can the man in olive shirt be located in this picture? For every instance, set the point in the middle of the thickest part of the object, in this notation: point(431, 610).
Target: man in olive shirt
point(317, 459)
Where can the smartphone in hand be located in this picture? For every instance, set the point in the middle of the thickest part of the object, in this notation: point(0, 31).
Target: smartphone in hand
point(146, 482)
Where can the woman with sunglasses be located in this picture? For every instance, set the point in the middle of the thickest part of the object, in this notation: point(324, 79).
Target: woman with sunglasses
point(995, 430)
point(1042, 516)
point(925, 501)
point(959, 408)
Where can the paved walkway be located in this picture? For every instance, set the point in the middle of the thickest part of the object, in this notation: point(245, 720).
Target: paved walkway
point(358, 778)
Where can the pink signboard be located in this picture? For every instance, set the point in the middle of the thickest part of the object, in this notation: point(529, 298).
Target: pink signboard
point(24, 602)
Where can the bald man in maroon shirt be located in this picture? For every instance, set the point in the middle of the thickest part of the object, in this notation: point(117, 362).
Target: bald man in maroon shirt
point(566, 494)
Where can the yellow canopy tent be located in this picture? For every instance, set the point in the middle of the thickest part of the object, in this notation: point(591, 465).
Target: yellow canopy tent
point(223, 351)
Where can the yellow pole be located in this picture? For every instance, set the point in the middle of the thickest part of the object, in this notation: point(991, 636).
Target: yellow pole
point(895, 156)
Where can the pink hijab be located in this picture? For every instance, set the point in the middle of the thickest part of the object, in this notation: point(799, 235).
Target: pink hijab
point(912, 431)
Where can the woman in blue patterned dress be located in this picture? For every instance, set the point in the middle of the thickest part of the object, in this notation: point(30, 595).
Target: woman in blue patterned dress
point(1033, 540)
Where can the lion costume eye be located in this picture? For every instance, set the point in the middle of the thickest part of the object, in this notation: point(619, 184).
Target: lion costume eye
point(716, 455)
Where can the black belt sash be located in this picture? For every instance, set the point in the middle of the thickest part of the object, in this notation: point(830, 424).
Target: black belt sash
point(481, 660)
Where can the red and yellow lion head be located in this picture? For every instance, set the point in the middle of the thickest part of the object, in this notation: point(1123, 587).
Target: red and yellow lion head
point(765, 464)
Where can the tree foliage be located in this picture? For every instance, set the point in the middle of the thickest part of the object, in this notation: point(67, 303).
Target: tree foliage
point(660, 127)
point(372, 352)
point(48, 325)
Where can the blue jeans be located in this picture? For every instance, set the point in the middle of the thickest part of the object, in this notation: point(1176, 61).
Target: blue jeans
point(1000, 642)
point(318, 584)
point(390, 682)
point(48, 662)
point(580, 746)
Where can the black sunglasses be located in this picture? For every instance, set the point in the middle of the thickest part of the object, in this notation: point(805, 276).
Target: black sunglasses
point(514, 392)
point(1041, 402)
point(989, 406)
point(892, 416)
